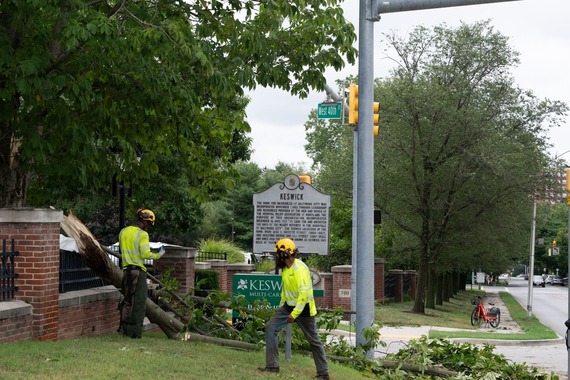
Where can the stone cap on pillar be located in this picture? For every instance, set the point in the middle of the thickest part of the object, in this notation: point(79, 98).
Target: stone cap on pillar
point(396, 271)
point(30, 215)
point(203, 265)
point(341, 268)
point(178, 252)
point(216, 263)
point(379, 260)
point(240, 266)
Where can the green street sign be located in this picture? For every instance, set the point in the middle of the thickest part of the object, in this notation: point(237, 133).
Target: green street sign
point(329, 110)
point(261, 286)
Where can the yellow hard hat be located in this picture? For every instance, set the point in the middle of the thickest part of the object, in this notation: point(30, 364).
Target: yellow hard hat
point(286, 246)
point(145, 214)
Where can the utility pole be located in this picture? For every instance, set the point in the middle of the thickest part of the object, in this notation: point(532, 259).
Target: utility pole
point(369, 12)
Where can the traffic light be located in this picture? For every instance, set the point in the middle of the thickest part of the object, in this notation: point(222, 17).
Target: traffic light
point(353, 104)
point(376, 118)
point(554, 243)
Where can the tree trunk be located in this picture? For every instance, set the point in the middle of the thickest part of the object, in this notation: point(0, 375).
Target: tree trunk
point(96, 258)
point(14, 183)
point(447, 286)
point(431, 286)
point(439, 290)
point(419, 305)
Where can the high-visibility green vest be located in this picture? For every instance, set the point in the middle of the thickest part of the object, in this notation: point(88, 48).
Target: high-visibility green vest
point(135, 247)
point(297, 288)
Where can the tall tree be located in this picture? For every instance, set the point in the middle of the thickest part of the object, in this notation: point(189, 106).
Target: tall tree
point(460, 147)
point(86, 87)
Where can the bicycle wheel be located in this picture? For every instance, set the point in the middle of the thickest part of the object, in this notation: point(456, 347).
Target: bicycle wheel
point(475, 317)
point(495, 322)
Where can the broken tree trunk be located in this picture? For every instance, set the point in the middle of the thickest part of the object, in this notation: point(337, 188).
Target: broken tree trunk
point(96, 258)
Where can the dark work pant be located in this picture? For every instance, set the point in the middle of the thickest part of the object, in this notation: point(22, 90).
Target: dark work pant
point(309, 327)
point(134, 303)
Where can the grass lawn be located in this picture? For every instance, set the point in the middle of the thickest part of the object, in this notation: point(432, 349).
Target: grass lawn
point(154, 356)
point(456, 314)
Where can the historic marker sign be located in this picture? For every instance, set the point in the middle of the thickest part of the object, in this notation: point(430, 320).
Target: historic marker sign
point(295, 210)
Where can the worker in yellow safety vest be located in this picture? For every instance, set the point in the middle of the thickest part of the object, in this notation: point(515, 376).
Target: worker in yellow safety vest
point(297, 305)
point(135, 248)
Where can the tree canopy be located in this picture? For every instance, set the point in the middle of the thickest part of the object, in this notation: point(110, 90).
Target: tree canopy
point(461, 149)
point(88, 89)
point(459, 153)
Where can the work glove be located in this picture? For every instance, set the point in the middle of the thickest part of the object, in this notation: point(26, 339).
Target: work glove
point(161, 251)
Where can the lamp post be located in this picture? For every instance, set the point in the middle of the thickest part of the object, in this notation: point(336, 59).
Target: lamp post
point(532, 246)
point(531, 261)
point(568, 244)
point(120, 186)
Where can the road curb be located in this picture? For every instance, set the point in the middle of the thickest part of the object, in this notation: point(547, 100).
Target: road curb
point(502, 342)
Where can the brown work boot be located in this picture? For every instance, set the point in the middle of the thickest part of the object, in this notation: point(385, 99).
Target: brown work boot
point(268, 369)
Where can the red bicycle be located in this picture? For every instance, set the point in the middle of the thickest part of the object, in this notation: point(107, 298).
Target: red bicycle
point(491, 316)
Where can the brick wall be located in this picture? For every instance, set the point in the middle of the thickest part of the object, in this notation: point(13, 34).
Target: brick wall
point(326, 302)
point(379, 294)
point(236, 268)
point(36, 236)
point(221, 266)
point(88, 312)
point(342, 286)
point(182, 260)
point(15, 321)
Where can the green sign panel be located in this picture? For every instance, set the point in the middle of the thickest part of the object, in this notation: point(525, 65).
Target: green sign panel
point(329, 110)
point(261, 286)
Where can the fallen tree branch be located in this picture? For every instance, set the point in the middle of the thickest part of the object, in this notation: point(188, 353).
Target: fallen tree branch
point(414, 368)
point(96, 258)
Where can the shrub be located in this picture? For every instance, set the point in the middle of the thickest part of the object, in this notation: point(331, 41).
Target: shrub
point(206, 280)
point(234, 253)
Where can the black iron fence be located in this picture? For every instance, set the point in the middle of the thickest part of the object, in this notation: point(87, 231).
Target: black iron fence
point(74, 274)
point(203, 256)
point(7, 272)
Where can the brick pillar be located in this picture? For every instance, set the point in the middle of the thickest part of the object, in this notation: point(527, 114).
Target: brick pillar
point(326, 302)
point(182, 260)
point(379, 294)
point(221, 266)
point(342, 287)
point(398, 276)
point(412, 282)
point(236, 268)
point(36, 237)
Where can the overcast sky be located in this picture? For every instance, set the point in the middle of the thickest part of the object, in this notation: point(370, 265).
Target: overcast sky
point(538, 29)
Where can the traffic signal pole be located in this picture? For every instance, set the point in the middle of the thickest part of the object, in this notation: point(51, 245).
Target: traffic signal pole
point(369, 12)
point(365, 175)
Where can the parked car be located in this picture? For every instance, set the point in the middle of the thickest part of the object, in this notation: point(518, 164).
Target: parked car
point(557, 280)
point(549, 279)
point(537, 280)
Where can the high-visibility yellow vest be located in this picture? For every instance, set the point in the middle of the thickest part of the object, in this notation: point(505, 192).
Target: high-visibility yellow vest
point(297, 288)
point(135, 247)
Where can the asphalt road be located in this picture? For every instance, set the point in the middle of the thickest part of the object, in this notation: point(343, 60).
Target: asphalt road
point(549, 304)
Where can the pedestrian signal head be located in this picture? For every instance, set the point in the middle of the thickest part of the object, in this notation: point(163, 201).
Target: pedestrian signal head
point(286, 247)
point(145, 214)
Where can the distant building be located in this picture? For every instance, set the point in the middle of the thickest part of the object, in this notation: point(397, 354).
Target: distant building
point(553, 189)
